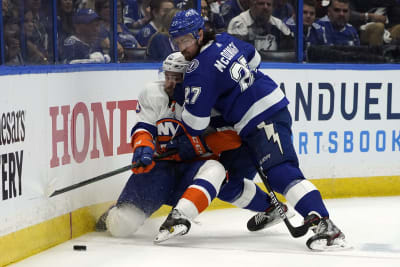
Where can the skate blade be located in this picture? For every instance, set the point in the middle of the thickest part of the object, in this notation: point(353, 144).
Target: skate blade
point(321, 245)
point(165, 234)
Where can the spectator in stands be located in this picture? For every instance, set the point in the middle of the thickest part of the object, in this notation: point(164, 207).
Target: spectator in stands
point(232, 8)
point(369, 19)
point(80, 4)
point(258, 27)
point(158, 9)
point(393, 14)
point(11, 11)
point(321, 8)
point(82, 46)
point(283, 9)
point(39, 36)
point(5, 11)
point(160, 44)
point(215, 6)
point(313, 33)
point(12, 48)
point(211, 19)
point(338, 30)
point(4, 7)
point(65, 12)
point(136, 13)
point(34, 48)
point(372, 19)
point(125, 39)
point(185, 4)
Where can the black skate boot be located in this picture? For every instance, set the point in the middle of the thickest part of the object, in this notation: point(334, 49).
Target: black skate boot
point(327, 235)
point(267, 218)
point(176, 224)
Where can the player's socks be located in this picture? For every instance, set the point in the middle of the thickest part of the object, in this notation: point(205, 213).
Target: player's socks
point(305, 198)
point(311, 202)
point(252, 197)
point(194, 200)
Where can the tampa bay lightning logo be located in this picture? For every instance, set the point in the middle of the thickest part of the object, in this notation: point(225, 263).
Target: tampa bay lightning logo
point(192, 66)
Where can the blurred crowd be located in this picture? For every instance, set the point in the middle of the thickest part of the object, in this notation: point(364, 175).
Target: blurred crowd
point(356, 31)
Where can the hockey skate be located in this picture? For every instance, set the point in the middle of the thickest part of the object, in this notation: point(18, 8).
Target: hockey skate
point(175, 225)
point(267, 218)
point(327, 237)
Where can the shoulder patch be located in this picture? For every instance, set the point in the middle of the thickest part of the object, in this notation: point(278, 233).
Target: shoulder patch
point(192, 66)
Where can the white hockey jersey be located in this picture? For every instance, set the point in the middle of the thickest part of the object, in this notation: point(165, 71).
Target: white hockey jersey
point(161, 117)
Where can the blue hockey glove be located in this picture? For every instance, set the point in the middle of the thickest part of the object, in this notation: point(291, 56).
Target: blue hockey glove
point(143, 150)
point(188, 146)
point(143, 154)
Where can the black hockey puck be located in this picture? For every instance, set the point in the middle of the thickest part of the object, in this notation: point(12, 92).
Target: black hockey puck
point(80, 247)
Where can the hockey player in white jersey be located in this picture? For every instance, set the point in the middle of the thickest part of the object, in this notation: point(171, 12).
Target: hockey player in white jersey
point(221, 77)
point(187, 186)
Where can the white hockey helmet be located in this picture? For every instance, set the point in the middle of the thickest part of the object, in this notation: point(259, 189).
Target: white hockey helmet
point(175, 62)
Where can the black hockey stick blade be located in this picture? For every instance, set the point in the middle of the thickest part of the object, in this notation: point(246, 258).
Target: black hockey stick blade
point(294, 231)
point(298, 231)
point(108, 174)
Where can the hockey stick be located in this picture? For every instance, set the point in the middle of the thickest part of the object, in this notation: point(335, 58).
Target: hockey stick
point(294, 231)
point(109, 174)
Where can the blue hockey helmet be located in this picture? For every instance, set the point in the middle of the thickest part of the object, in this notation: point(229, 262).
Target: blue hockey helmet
point(186, 21)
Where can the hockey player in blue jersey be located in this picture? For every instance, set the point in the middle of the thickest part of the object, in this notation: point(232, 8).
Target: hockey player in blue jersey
point(223, 76)
point(187, 186)
point(338, 30)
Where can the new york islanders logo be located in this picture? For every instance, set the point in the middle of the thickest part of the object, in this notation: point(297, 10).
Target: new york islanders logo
point(166, 130)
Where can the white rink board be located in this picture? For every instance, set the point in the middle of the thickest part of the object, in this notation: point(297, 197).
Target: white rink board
point(84, 99)
point(366, 143)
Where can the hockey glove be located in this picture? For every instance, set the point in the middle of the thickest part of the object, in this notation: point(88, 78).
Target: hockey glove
point(188, 146)
point(143, 150)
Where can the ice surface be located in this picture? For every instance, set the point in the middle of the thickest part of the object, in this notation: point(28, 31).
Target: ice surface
point(372, 225)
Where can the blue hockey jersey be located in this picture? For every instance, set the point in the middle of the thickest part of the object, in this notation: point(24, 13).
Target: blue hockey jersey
point(144, 34)
point(313, 35)
point(346, 36)
point(224, 76)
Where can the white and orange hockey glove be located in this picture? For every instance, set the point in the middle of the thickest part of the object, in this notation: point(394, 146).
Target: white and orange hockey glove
point(143, 151)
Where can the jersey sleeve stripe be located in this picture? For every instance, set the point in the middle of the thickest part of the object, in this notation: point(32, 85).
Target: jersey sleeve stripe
point(258, 107)
point(255, 61)
point(144, 126)
point(194, 122)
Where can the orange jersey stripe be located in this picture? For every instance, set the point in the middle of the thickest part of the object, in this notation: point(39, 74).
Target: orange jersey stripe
point(197, 197)
point(161, 138)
